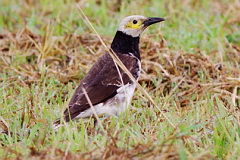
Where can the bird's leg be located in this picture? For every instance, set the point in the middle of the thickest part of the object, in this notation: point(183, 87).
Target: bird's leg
point(97, 127)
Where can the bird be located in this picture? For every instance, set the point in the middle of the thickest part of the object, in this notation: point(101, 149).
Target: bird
point(107, 86)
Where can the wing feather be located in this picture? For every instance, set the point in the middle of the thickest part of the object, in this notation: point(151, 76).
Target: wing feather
point(100, 83)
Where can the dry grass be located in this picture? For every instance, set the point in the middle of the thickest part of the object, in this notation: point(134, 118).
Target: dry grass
point(196, 72)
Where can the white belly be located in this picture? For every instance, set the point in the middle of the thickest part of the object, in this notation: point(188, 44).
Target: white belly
point(114, 106)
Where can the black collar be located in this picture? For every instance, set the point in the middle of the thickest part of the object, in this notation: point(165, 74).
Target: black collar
point(125, 44)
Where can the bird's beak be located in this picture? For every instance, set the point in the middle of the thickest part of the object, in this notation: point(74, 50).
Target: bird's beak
point(151, 20)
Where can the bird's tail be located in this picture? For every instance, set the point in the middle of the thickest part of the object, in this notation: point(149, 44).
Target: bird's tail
point(57, 123)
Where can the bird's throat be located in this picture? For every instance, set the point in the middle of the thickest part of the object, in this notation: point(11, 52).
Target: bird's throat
point(125, 44)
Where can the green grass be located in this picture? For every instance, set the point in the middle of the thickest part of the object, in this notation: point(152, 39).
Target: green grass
point(201, 97)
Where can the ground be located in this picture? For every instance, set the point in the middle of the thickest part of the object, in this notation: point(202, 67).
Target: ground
point(191, 68)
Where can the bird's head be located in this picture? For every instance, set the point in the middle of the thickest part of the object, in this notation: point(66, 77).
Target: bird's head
point(136, 24)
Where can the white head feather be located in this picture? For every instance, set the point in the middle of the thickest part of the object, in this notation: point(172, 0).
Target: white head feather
point(131, 31)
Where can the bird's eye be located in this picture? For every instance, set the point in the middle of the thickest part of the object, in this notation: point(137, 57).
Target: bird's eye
point(135, 21)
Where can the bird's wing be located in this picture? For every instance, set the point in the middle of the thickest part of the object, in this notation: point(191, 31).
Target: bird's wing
point(100, 83)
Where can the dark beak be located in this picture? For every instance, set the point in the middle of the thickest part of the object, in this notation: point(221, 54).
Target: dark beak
point(152, 20)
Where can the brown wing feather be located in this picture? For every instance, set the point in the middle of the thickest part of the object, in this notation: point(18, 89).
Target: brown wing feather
point(100, 83)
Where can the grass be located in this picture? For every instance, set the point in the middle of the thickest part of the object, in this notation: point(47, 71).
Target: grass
point(190, 68)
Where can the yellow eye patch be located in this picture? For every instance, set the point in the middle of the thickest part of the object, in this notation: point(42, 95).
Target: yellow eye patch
point(134, 24)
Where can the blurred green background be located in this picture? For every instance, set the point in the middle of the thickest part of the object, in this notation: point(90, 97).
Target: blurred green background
point(190, 24)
